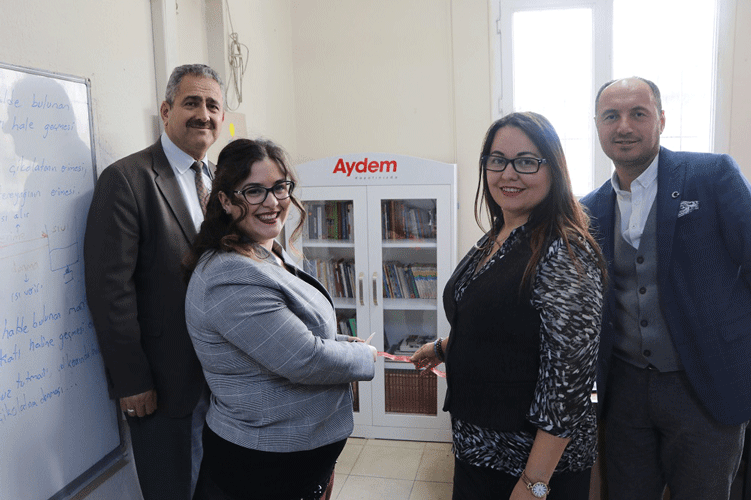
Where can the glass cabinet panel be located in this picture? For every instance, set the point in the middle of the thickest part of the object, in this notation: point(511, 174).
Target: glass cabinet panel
point(408, 249)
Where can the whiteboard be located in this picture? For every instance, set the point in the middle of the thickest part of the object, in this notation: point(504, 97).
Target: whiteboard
point(58, 426)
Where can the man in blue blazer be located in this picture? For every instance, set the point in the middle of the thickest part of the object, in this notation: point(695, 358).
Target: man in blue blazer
point(674, 378)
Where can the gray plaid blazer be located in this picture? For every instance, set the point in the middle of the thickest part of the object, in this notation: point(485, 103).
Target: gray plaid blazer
point(266, 339)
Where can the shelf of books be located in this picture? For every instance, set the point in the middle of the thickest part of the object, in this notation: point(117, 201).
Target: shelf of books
point(383, 246)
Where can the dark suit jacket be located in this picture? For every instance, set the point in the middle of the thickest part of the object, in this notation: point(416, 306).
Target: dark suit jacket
point(137, 232)
point(704, 275)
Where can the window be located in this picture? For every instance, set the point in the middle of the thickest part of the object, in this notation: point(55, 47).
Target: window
point(682, 65)
point(553, 55)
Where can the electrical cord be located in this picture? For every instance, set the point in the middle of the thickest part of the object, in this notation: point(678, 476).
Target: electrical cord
point(238, 63)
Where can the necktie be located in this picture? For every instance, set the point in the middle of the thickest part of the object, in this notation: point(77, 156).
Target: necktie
point(203, 193)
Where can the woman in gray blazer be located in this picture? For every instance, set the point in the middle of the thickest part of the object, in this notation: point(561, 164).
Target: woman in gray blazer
point(265, 333)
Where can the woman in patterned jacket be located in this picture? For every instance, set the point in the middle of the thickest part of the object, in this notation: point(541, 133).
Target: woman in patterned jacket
point(265, 333)
point(524, 307)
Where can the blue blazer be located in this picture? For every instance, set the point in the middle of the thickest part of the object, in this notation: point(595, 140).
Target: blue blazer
point(703, 272)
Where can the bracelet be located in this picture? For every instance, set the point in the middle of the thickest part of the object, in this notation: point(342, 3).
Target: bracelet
point(438, 349)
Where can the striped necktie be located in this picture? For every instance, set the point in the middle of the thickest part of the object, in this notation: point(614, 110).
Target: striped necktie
point(203, 193)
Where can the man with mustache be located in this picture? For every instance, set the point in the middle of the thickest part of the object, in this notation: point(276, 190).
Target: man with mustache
point(674, 374)
point(146, 211)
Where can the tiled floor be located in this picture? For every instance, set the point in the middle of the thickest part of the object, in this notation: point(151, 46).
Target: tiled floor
point(394, 470)
point(405, 470)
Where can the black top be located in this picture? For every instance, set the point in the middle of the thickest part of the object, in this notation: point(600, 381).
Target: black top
point(494, 355)
point(568, 306)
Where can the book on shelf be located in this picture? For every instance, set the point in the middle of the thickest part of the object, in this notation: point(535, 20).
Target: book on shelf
point(347, 279)
point(413, 292)
point(329, 220)
point(319, 221)
point(338, 281)
point(399, 220)
point(336, 276)
point(414, 281)
point(404, 285)
point(397, 214)
point(346, 326)
point(331, 278)
point(351, 282)
point(386, 291)
point(394, 289)
point(425, 280)
point(400, 281)
point(322, 274)
point(348, 220)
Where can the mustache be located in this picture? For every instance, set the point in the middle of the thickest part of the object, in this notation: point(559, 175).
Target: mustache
point(195, 123)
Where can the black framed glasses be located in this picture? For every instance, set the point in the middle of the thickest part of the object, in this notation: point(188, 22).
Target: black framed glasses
point(522, 164)
point(255, 195)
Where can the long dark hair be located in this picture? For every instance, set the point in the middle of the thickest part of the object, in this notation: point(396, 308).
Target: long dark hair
point(558, 215)
point(219, 232)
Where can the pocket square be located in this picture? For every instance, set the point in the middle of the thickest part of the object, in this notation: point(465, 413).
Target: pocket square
point(687, 207)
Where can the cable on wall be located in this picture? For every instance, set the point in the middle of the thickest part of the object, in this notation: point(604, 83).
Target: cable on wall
point(238, 63)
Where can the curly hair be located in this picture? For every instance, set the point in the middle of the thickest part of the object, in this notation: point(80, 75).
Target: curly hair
point(219, 231)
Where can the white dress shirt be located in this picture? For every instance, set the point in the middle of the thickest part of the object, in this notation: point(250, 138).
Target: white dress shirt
point(636, 204)
point(180, 161)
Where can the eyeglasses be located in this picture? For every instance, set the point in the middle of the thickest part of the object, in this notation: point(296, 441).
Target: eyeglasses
point(522, 164)
point(255, 195)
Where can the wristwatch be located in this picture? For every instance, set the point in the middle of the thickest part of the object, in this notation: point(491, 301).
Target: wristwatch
point(538, 489)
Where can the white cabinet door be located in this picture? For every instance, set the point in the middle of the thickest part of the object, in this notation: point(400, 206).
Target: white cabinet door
point(409, 238)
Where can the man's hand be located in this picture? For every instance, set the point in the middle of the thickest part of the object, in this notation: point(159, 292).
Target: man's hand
point(139, 405)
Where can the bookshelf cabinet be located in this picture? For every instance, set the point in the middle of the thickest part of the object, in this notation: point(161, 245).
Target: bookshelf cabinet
point(380, 235)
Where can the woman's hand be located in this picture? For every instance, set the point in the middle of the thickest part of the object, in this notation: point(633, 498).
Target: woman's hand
point(425, 358)
point(366, 342)
point(375, 351)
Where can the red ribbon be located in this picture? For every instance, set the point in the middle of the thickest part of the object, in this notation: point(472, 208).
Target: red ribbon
point(406, 359)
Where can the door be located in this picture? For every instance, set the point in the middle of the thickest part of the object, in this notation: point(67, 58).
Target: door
point(409, 245)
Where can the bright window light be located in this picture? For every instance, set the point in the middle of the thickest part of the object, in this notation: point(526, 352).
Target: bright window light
point(678, 56)
point(554, 79)
point(552, 66)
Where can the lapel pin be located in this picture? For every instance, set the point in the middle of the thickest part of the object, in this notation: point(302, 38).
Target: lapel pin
point(675, 194)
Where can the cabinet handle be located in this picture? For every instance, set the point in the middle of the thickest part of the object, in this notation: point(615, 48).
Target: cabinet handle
point(375, 289)
point(360, 279)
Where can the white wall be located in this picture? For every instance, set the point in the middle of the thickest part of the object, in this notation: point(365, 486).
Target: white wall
point(373, 75)
point(191, 43)
point(268, 93)
point(393, 76)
